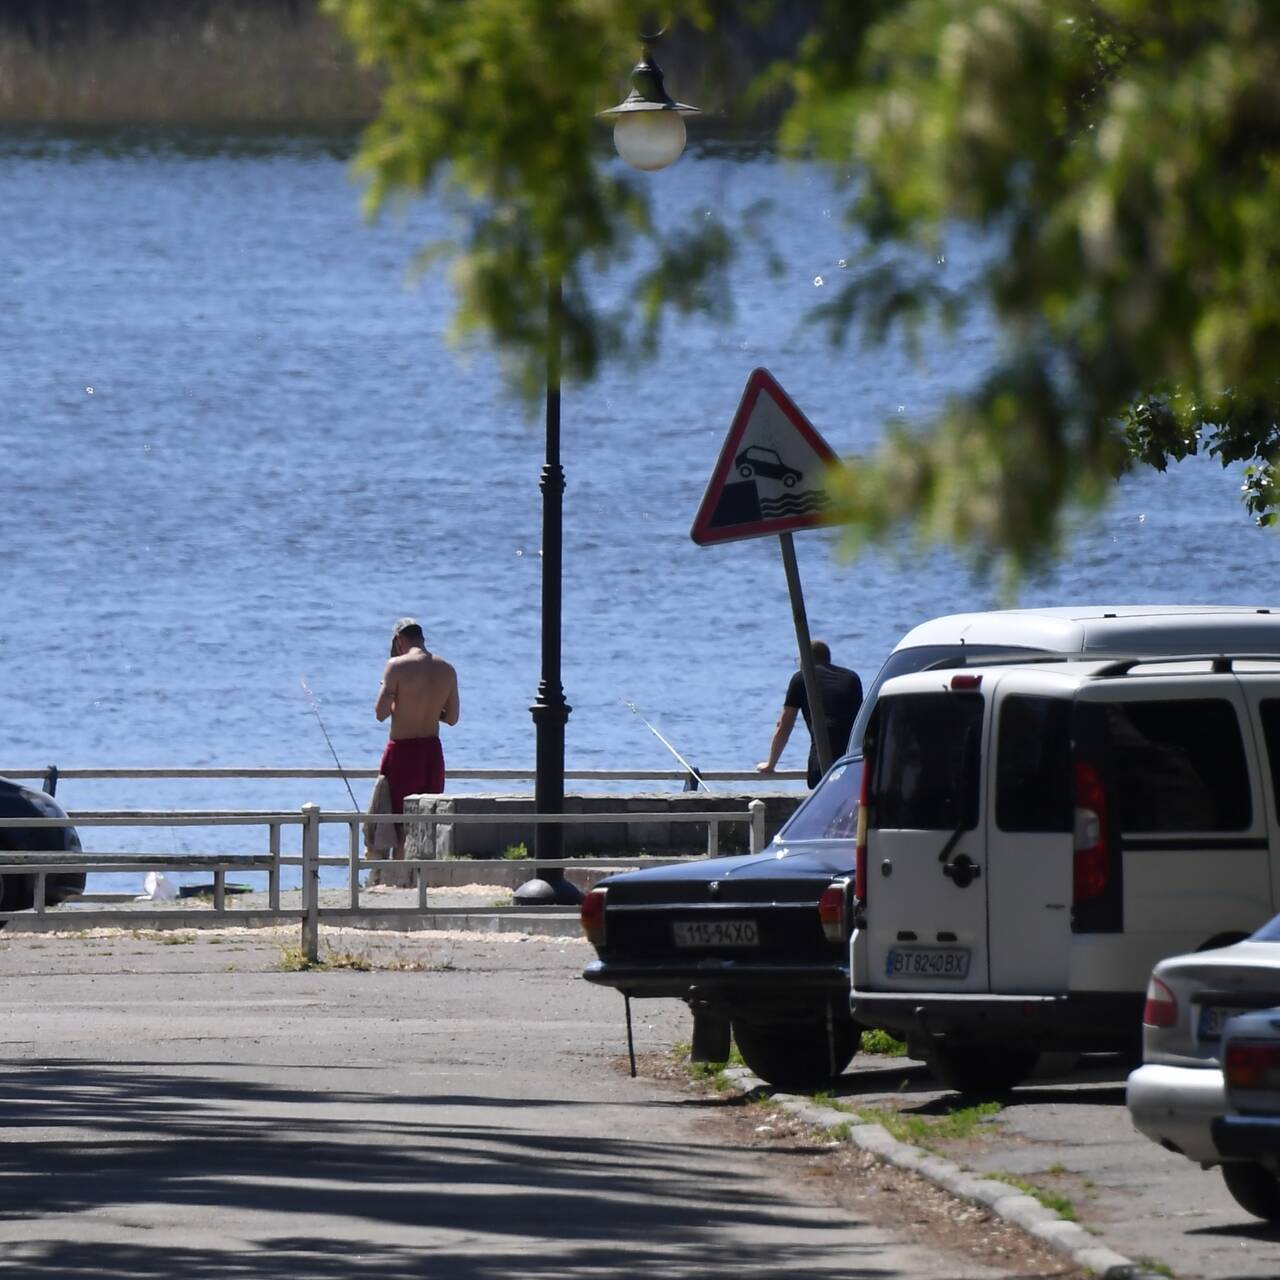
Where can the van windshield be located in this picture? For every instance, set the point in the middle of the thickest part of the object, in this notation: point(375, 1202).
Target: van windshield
point(927, 757)
point(904, 661)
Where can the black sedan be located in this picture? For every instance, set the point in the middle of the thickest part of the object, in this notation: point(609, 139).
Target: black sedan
point(760, 940)
point(17, 888)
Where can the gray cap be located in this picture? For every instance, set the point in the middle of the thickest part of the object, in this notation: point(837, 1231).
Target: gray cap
point(404, 624)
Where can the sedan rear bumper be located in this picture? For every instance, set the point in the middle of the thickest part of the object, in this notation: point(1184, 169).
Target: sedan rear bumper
point(1247, 1137)
point(1176, 1107)
point(713, 979)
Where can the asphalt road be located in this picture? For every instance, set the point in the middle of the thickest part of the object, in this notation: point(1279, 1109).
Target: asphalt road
point(176, 1105)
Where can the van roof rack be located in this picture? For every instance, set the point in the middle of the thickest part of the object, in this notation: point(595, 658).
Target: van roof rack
point(1010, 658)
point(1114, 664)
point(1222, 662)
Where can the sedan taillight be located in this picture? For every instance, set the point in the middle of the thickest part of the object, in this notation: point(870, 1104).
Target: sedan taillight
point(1252, 1066)
point(1162, 1006)
point(593, 923)
point(833, 911)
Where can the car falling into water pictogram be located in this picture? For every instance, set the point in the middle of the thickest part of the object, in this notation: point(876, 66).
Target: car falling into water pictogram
point(756, 460)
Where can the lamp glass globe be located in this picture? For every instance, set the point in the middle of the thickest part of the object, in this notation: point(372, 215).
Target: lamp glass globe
point(649, 139)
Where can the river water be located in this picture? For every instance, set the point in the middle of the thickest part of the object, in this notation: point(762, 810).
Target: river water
point(239, 446)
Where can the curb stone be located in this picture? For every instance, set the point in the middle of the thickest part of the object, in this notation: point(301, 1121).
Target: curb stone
point(1004, 1201)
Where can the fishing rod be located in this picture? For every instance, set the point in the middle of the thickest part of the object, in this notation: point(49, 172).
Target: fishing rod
point(315, 708)
point(693, 773)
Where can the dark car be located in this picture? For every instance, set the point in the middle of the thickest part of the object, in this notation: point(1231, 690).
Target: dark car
point(761, 940)
point(756, 460)
point(17, 889)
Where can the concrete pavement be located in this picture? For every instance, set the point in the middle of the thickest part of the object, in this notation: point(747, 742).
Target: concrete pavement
point(174, 1104)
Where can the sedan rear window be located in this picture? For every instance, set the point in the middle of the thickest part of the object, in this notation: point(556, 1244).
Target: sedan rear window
point(831, 812)
point(927, 755)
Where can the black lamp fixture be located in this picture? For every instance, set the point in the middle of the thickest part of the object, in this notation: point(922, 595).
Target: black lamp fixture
point(649, 133)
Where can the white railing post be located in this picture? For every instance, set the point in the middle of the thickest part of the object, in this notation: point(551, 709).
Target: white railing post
point(41, 903)
point(353, 861)
point(756, 809)
point(311, 882)
point(273, 875)
point(713, 839)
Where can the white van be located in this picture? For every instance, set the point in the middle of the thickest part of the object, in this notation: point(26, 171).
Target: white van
point(1035, 835)
point(1124, 629)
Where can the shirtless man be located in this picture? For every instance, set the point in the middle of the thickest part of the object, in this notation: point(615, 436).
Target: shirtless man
point(419, 690)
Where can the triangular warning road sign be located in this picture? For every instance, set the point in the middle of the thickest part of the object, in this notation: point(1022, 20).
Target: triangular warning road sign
point(771, 474)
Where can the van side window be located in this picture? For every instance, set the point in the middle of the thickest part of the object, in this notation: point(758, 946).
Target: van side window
point(1177, 766)
point(1270, 711)
point(1033, 765)
point(927, 762)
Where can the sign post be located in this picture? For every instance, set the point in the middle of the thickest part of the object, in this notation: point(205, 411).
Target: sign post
point(808, 669)
point(769, 480)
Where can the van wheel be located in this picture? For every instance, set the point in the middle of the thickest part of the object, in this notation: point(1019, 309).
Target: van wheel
point(1254, 1188)
point(981, 1069)
point(795, 1055)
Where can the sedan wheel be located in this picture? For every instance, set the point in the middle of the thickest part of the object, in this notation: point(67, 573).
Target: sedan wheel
point(796, 1055)
point(1254, 1188)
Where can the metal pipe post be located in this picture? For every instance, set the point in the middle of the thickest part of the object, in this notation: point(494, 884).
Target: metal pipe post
point(311, 882)
point(756, 808)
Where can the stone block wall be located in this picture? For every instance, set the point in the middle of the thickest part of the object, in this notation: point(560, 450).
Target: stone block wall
point(652, 835)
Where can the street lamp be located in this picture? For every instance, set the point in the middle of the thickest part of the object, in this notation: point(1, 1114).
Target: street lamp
point(649, 134)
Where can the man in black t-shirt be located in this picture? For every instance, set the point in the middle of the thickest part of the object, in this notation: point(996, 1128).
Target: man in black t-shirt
point(841, 698)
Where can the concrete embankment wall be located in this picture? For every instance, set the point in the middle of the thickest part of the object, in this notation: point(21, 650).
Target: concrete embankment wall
point(653, 834)
point(244, 63)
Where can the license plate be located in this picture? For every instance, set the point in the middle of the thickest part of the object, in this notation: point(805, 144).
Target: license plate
point(927, 962)
point(1213, 1018)
point(715, 933)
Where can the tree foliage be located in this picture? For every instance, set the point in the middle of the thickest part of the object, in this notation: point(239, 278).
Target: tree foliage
point(1120, 156)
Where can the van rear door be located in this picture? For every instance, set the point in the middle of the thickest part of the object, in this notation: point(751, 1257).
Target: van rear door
point(924, 876)
point(1030, 838)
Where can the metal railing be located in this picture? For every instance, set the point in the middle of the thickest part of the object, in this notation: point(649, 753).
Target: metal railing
point(497, 775)
point(310, 819)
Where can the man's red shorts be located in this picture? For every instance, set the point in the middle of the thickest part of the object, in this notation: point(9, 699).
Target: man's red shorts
point(412, 766)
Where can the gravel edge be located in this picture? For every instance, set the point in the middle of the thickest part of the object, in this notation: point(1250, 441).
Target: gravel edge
point(1007, 1202)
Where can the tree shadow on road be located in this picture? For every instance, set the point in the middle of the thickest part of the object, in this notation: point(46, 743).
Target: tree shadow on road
point(228, 1178)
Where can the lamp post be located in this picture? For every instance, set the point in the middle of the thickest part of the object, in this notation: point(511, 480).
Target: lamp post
point(649, 134)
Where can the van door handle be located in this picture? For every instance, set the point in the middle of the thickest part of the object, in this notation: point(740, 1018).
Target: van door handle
point(962, 871)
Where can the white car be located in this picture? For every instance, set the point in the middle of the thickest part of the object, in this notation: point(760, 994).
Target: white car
point(1177, 1097)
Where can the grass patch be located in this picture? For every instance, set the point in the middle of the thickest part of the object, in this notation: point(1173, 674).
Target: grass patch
point(839, 1132)
point(827, 1099)
point(1050, 1199)
point(293, 960)
point(516, 852)
point(925, 1131)
point(1160, 1268)
point(881, 1042)
point(177, 939)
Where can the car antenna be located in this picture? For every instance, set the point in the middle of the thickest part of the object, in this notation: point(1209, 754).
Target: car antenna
point(694, 776)
point(315, 708)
